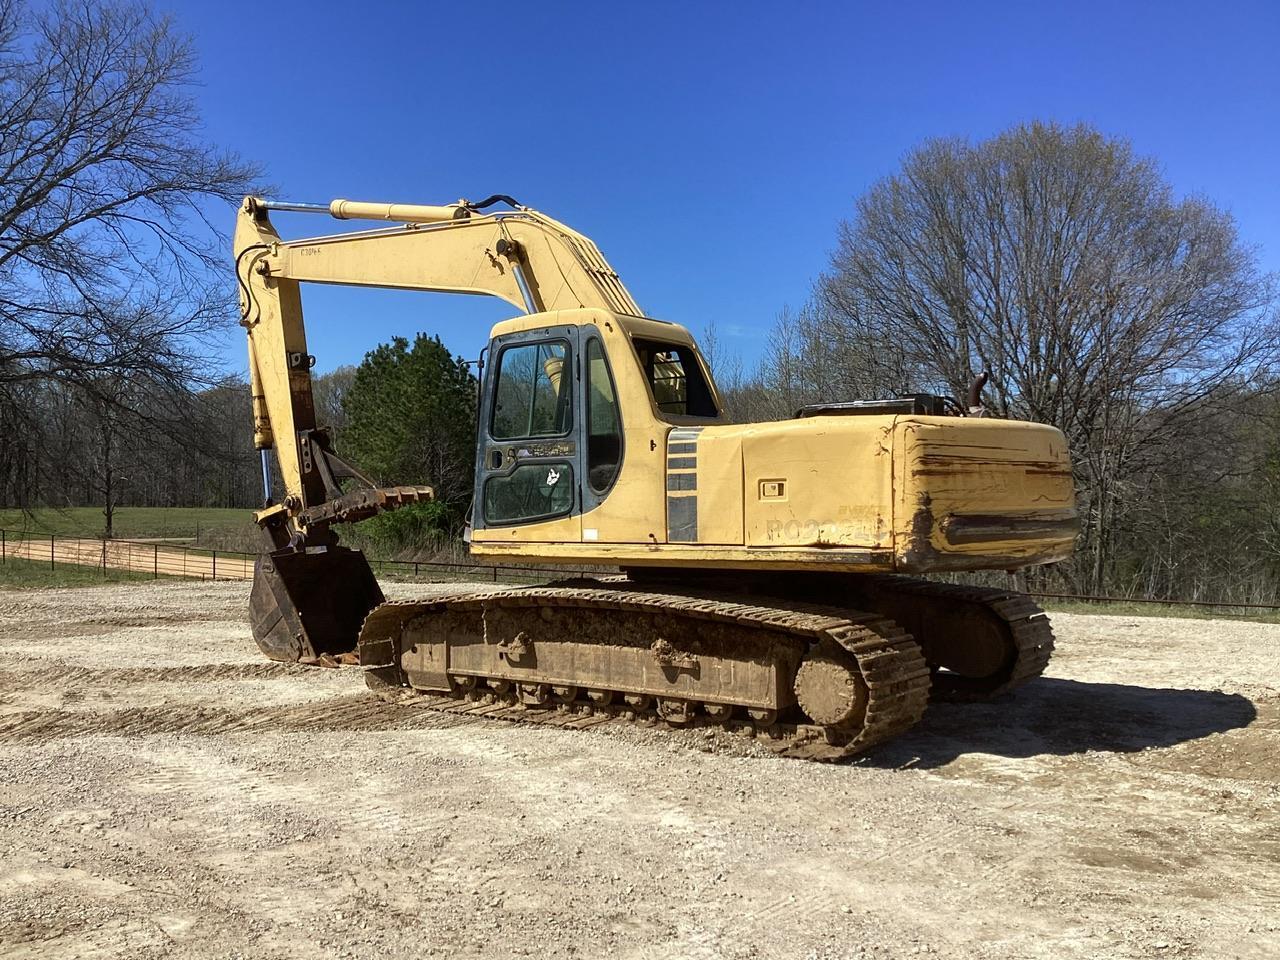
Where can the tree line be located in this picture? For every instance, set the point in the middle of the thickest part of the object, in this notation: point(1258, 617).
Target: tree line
point(111, 277)
point(1136, 322)
point(406, 414)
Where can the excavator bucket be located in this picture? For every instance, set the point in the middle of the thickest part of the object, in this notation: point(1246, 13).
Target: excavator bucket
point(308, 607)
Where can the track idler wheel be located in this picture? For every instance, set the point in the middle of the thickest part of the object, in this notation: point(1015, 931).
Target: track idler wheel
point(833, 694)
point(308, 606)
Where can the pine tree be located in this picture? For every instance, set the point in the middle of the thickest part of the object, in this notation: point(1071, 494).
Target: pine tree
point(411, 418)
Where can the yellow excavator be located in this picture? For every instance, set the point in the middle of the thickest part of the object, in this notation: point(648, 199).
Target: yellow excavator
point(764, 568)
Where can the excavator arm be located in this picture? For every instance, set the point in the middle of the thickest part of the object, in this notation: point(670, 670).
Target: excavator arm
point(521, 256)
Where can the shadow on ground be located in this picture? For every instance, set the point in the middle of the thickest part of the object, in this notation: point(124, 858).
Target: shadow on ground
point(1062, 717)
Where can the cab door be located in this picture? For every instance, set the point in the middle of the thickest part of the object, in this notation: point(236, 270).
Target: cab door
point(530, 457)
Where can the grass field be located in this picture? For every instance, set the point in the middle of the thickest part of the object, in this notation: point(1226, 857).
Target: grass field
point(213, 527)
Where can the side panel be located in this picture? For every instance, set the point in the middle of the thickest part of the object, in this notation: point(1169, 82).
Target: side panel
point(914, 494)
point(704, 485)
point(822, 482)
point(632, 511)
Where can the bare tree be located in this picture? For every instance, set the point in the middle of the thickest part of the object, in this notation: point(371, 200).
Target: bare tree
point(738, 392)
point(108, 266)
point(328, 391)
point(103, 407)
point(1062, 263)
point(102, 177)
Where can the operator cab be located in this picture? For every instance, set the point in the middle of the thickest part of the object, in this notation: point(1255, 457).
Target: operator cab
point(569, 400)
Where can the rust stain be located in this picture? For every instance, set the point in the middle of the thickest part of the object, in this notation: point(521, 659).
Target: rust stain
point(943, 460)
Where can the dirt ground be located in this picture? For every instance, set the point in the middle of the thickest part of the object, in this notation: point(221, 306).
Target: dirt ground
point(165, 793)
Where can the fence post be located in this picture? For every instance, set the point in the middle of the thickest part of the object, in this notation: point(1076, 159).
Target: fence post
point(155, 562)
point(215, 566)
point(51, 549)
point(3, 535)
point(495, 574)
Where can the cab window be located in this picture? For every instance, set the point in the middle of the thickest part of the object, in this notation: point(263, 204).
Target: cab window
point(532, 491)
point(675, 379)
point(533, 391)
point(604, 421)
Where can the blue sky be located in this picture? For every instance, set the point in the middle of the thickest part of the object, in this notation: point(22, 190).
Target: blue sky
point(708, 148)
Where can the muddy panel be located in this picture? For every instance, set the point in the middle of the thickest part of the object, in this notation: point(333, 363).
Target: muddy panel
point(662, 655)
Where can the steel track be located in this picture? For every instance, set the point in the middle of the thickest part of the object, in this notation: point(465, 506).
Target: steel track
point(1028, 632)
point(889, 660)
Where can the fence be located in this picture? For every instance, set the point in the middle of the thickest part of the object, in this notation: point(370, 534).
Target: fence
point(133, 556)
point(160, 559)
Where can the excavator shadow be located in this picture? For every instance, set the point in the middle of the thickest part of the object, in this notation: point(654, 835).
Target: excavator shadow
point(1051, 716)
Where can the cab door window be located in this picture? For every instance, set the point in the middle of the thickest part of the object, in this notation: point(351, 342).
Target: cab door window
point(532, 477)
point(532, 491)
point(532, 398)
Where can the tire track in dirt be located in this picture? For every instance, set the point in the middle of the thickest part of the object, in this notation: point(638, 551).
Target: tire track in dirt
point(36, 934)
point(49, 676)
point(357, 713)
point(810, 907)
point(104, 625)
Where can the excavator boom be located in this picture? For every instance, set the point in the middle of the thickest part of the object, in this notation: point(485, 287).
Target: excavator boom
point(523, 257)
point(311, 593)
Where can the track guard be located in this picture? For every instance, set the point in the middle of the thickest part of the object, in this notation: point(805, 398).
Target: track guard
point(307, 604)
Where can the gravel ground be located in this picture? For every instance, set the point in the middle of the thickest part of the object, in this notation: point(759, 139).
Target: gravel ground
point(164, 792)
